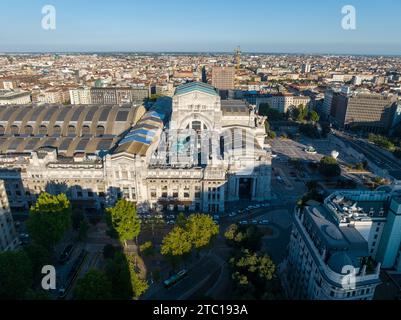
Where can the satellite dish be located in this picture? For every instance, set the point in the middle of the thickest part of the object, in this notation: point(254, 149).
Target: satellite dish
point(335, 154)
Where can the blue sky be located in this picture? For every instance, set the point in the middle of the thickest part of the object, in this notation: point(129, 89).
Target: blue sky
point(309, 26)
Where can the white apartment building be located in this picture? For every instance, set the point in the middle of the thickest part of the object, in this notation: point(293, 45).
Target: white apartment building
point(53, 96)
point(327, 262)
point(8, 97)
point(80, 96)
point(284, 102)
point(8, 235)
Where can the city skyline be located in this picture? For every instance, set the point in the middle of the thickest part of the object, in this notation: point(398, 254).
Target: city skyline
point(171, 27)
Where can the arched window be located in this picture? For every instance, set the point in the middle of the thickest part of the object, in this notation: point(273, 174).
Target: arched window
point(14, 130)
point(57, 131)
point(28, 130)
point(197, 126)
point(71, 131)
point(86, 131)
point(2, 130)
point(100, 131)
point(43, 130)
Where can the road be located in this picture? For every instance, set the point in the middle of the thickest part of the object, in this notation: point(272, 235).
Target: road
point(198, 275)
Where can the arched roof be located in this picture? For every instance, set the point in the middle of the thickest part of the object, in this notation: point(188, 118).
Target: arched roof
point(70, 128)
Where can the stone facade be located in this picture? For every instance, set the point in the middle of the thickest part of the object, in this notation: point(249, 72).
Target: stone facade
point(137, 169)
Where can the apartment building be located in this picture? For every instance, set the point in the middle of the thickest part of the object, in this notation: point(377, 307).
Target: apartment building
point(8, 235)
point(9, 97)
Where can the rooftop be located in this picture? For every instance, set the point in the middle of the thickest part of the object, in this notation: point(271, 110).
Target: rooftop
point(348, 206)
point(196, 86)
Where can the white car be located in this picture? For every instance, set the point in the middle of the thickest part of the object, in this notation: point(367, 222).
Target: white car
point(244, 222)
point(216, 217)
point(232, 214)
point(264, 222)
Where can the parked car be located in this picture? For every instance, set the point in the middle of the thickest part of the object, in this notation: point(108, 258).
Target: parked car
point(254, 222)
point(216, 217)
point(232, 214)
point(264, 222)
point(66, 254)
point(24, 238)
point(243, 222)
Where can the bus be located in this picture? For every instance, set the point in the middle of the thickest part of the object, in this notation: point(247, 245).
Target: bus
point(175, 279)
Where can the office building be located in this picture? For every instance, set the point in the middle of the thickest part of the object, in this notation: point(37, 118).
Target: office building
point(223, 78)
point(369, 112)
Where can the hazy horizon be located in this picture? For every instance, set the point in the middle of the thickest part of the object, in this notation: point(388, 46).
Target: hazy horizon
point(258, 26)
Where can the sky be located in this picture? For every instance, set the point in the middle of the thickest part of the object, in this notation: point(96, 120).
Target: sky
point(280, 26)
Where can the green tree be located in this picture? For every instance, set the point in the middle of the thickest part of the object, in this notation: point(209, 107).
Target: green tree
point(177, 243)
point(93, 286)
point(249, 237)
point(232, 232)
point(139, 286)
point(271, 114)
point(49, 219)
point(314, 116)
point(124, 220)
point(15, 275)
point(329, 167)
point(117, 271)
point(147, 248)
point(252, 272)
point(39, 256)
point(382, 142)
point(181, 220)
point(201, 229)
point(267, 126)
